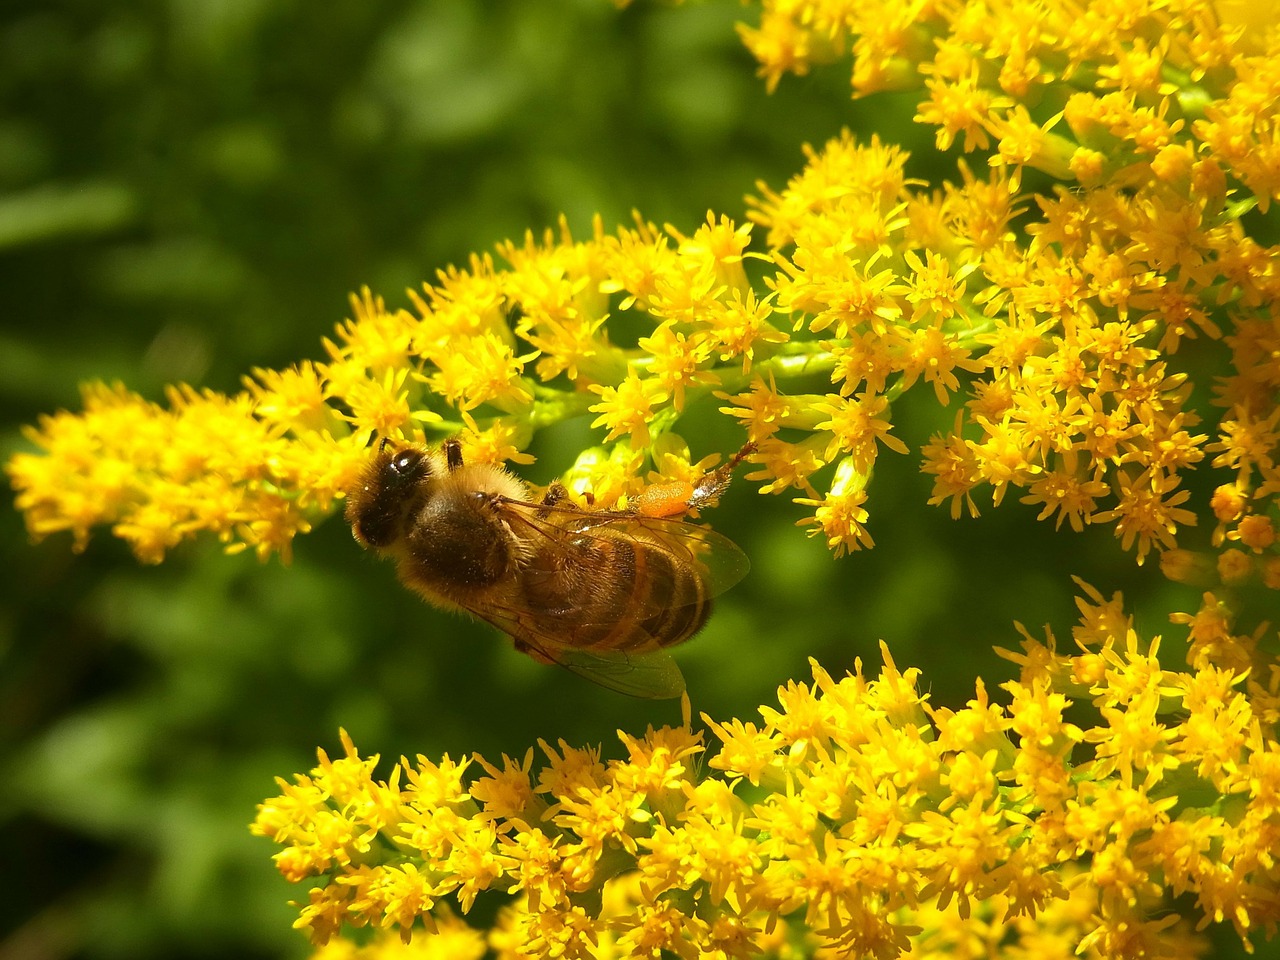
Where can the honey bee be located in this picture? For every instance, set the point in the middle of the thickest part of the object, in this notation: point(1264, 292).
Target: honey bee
point(601, 592)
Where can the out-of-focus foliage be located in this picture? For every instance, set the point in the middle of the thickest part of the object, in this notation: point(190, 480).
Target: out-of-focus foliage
point(189, 190)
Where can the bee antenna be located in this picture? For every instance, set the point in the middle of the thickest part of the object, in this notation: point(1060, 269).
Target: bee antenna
point(453, 454)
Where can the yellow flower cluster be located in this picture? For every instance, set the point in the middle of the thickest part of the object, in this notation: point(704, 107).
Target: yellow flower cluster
point(1070, 304)
point(1061, 317)
point(852, 817)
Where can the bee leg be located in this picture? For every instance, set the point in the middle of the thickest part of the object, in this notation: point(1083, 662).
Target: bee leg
point(556, 493)
point(679, 497)
point(453, 454)
point(710, 488)
point(663, 500)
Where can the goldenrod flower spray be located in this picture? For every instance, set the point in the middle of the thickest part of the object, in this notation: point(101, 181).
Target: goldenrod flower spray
point(1109, 219)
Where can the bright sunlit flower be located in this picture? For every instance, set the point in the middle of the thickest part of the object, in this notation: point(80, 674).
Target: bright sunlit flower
point(1092, 294)
point(872, 822)
point(1062, 351)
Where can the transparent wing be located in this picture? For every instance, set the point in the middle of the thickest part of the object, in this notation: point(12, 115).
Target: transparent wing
point(649, 673)
point(568, 543)
point(566, 532)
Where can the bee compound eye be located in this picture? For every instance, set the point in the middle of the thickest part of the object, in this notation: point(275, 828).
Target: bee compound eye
point(404, 462)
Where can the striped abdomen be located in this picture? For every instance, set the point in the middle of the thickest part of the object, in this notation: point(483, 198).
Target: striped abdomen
point(617, 591)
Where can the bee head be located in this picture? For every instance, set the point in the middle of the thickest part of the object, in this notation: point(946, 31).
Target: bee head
point(377, 504)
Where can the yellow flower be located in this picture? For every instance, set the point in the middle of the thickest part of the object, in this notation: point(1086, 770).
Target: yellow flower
point(451, 939)
point(503, 440)
point(932, 354)
point(1234, 567)
point(507, 795)
point(1024, 142)
point(480, 369)
point(376, 340)
point(1256, 532)
point(840, 516)
point(737, 326)
point(381, 407)
point(873, 823)
point(293, 398)
point(954, 465)
point(677, 362)
point(958, 103)
point(1066, 492)
point(856, 425)
point(718, 245)
point(762, 410)
point(787, 465)
point(1148, 511)
point(627, 409)
point(1086, 317)
point(1056, 315)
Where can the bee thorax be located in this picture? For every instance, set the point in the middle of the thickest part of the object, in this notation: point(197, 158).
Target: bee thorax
point(456, 541)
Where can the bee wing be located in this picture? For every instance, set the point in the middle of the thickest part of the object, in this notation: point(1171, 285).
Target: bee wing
point(649, 673)
point(719, 561)
point(563, 531)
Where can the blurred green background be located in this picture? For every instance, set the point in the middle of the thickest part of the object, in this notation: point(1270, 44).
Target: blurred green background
point(190, 189)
